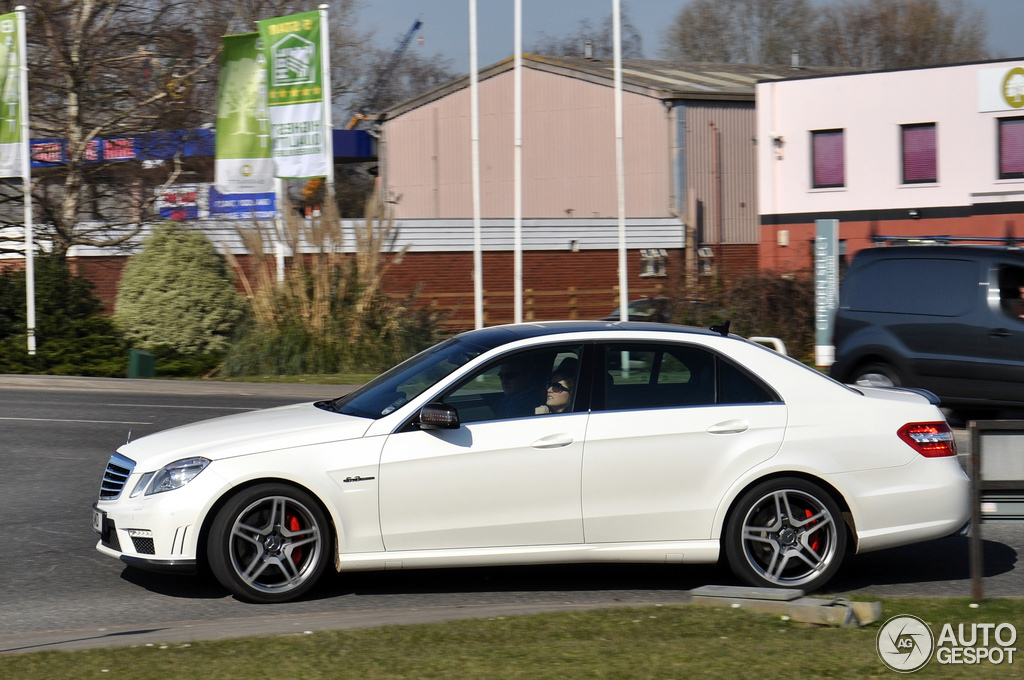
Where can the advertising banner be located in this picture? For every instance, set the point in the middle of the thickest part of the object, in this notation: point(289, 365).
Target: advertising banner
point(10, 97)
point(1001, 89)
point(244, 163)
point(295, 94)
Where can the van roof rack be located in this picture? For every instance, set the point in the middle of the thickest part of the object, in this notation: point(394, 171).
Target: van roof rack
point(944, 240)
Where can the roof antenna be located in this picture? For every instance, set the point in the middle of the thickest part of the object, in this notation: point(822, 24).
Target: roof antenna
point(129, 440)
point(723, 329)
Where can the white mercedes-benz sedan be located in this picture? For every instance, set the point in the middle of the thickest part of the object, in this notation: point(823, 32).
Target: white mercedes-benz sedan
point(545, 443)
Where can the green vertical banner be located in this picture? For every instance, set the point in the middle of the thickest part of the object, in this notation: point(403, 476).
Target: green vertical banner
point(10, 97)
point(244, 163)
point(826, 288)
point(295, 94)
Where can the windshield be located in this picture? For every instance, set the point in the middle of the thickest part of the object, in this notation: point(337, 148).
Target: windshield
point(406, 381)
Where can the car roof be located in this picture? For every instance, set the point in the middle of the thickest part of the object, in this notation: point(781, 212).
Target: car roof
point(495, 336)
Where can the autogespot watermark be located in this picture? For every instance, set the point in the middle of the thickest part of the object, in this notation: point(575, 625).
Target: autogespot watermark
point(906, 643)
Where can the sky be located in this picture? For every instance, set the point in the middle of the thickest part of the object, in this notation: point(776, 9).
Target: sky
point(445, 28)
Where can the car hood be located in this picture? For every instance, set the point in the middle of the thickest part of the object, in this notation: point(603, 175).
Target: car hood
point(245, 433)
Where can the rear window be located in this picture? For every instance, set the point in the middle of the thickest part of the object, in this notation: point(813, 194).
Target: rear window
point(931, 287)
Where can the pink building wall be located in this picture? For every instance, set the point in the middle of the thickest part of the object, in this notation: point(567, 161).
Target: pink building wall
point(568, 152)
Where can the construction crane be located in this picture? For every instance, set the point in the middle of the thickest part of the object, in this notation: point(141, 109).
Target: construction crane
point(382, 78)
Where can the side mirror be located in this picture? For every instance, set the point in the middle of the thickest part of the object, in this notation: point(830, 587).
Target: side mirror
point(440, 416)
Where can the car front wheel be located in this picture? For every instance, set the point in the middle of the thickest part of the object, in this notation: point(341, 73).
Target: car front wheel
point(269, 543)
point(786, 533)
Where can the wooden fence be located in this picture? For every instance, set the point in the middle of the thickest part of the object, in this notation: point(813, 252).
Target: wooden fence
point(455, 310)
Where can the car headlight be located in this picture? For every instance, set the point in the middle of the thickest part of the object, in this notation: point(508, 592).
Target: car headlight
point(172, 476)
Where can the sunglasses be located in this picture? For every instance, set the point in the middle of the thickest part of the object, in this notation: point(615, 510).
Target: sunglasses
point(557, 388)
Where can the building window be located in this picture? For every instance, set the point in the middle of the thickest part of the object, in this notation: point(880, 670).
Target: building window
point(1011, 148)
point(919, 164)
point(652, 262)
point(827, 150)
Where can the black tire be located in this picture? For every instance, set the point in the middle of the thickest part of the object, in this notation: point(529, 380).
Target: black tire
point(786, 533)
point(269, 543)
point(877, 375)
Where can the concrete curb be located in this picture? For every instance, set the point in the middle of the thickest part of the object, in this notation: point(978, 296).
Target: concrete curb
point(178, 633)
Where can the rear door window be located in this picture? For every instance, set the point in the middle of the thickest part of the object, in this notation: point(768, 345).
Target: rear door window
point(643, 376)
point(926, 286)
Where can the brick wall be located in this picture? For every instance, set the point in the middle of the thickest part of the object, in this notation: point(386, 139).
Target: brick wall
point(556, 284)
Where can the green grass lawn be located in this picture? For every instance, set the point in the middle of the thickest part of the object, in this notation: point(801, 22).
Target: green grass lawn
point(650, 642)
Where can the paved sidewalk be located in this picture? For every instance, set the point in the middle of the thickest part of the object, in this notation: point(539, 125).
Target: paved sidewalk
point(79, 384)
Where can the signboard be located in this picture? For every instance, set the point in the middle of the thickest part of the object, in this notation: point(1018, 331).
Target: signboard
point(1001, 89)
point(244, 162)
point(203, 202)
point(178, 202)
point(826, 288)
point(258, 206)
point(295, 95)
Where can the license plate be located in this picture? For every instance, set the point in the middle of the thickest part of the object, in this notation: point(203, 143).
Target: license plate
point(98, 517)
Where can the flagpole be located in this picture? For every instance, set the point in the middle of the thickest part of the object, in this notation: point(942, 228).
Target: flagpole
point(517, 219)
point(620, 174)
point(325, 78)
point(26, 183)
point(474, 117)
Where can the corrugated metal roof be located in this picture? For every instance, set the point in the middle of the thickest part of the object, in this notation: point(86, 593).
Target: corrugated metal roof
point(424, 236)
point(658, 79)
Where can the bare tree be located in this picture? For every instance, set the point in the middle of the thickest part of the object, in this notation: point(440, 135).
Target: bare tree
point(144, 70)
point(112, 69)
point(748, 31)
point(869, 34)
point(600, 39)
point(881, 34)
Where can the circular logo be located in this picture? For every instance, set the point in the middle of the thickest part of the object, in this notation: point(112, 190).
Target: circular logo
point(1013, 87)
point(246, 170)
point(905, 643)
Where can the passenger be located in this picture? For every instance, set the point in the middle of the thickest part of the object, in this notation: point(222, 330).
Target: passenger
point(560, 388)
point(523, 388)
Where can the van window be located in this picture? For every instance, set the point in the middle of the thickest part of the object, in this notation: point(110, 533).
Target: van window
point(931, 287)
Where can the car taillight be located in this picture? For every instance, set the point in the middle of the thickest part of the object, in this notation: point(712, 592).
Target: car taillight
point(931, 440)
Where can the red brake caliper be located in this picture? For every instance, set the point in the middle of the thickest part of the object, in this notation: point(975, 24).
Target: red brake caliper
point(293, 525)
point(814, 537)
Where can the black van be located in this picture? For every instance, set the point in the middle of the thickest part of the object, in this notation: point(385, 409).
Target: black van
point(943, 318)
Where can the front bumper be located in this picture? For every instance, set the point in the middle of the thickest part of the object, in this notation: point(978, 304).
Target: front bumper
point(158, 532)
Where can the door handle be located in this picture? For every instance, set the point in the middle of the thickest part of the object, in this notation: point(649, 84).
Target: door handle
point(729, 427)
point(999, 333)
point(554, 441)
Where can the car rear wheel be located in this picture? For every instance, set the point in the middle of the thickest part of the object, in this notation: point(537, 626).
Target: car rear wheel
point(877, 375)
point(786, 533)
point(269, 543)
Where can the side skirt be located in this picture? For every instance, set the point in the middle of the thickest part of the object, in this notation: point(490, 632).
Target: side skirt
point(692, 552)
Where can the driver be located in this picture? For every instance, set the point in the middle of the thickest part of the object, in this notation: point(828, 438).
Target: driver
point(523, 388)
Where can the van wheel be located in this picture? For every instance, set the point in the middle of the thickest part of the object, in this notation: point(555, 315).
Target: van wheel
point(877, 375)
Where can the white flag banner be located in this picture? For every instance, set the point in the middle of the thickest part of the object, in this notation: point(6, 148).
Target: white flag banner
point(244, 164)
point(295, 95)
point(11, 146)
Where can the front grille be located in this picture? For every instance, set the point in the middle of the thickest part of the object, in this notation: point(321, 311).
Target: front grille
point(143, 546)
point(118, 470)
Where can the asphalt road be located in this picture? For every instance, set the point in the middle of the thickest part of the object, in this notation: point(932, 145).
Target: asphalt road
point(58, 592)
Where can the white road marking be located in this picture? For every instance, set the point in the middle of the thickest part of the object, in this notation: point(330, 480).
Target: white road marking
point(69, 420)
